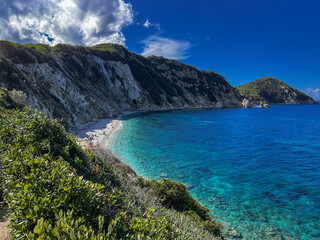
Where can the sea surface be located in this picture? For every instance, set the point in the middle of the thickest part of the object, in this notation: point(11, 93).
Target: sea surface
point(258, 170)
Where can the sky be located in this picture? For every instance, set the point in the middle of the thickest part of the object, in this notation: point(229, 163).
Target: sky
point(240, 39)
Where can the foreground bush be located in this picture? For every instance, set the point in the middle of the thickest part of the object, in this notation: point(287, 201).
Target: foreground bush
point(22, 128)
point(40, 187)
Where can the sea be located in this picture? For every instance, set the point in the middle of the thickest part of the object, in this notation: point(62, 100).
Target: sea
point(257, 169)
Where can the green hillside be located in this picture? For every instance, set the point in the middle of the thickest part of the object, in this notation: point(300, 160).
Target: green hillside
point(274, 91)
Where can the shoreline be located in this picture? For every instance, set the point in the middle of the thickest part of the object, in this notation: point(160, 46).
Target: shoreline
point(98, 133)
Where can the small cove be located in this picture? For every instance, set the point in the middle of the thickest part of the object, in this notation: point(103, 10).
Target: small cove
point(258, 170)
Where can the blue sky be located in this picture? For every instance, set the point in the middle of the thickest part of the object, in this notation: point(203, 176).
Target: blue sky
point(240, 39)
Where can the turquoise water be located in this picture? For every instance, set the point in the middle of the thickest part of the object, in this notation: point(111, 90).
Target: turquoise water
point(258, 170)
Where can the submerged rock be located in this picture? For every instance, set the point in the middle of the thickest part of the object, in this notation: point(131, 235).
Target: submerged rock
point(273, 233)
point(232, 233)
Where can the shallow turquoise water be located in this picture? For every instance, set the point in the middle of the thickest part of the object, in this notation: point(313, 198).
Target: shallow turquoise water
point(258, 170)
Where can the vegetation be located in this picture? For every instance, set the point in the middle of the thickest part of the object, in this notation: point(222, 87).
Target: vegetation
point(6, 102)
point(105, 47)
point(46, 49)
point(56, 190)
point(250, 91)
point(271, 90)
point(175, 195)
point(43, 48)
point(18, 96)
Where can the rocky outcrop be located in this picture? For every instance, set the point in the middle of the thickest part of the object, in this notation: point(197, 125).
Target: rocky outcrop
point(77, 84)
point(246, 103)
point(264, 105)
point(273, 91)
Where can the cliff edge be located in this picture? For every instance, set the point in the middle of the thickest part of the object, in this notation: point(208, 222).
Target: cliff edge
point(78, 84)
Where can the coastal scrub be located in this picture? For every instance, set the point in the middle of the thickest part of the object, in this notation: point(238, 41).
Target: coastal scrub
point(54, 190)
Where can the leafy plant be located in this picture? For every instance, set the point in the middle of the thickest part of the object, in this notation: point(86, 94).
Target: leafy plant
point(175, 195)
point(6, 102)
point(18, 96)
point(151, 227)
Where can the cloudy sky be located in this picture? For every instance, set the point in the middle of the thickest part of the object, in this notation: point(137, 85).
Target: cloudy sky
point(242, 40)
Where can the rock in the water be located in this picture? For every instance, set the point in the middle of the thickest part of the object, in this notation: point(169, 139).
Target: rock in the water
point(246, 103)
point(273, 234)
point(265, 105)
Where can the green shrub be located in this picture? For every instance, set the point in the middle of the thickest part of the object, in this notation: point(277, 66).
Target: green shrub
point(40, 187)
point(25, 127)
point(6, 102)
point(18, 96)
point(175, 195)
point(66, 226)
point(151, 227)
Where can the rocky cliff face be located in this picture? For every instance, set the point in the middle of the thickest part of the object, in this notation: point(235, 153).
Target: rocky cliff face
point(78, 84)
point(273, 91)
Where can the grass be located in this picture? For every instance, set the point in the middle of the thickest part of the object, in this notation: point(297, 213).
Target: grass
point(105, 47)
point(43, 48)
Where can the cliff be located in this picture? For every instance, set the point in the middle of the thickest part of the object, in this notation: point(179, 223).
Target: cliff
point(77, 84)
point(273, 91)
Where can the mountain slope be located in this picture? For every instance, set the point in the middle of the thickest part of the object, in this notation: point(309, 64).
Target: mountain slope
point(273, 91)
point(77, 84)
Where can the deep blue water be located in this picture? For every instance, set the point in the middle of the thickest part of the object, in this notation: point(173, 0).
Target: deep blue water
point(258, 170)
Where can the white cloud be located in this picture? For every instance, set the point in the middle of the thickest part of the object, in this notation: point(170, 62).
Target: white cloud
point(148, 24)
point(80, 22)
point(166, 47)
point(313, 92)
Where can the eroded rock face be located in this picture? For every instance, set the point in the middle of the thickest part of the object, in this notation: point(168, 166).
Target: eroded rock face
point(246, 103)
point(78, 84)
